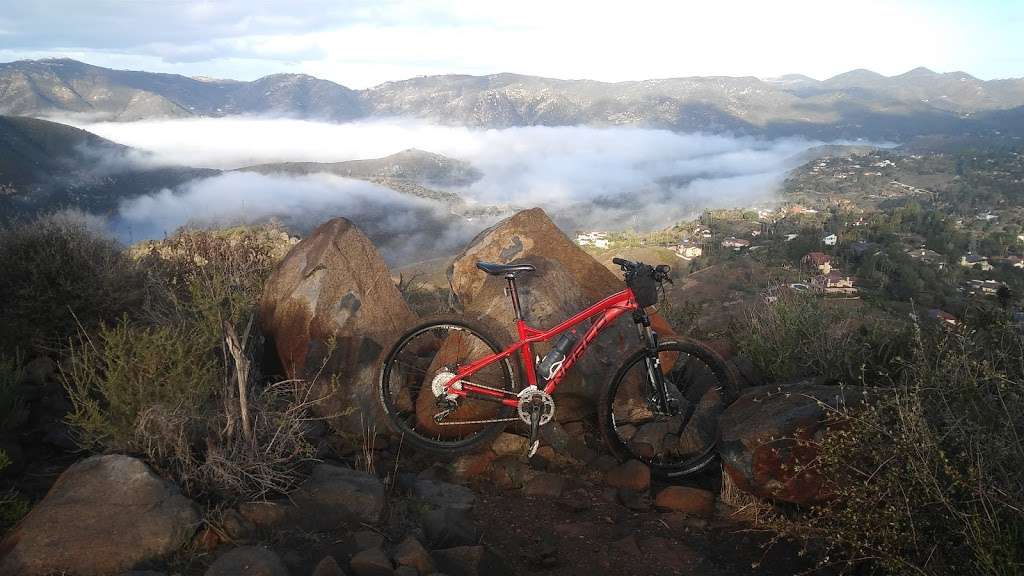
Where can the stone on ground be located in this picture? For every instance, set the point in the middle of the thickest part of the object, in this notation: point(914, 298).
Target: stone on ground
point(248, 560)
point(507, 444)
point(686, 499)
point(328, 567)
point(105, 514)
point(411, 553)
point(470, 561)
point(372, 562)
point(444, 494)
point(545, 485)
point(769, 438)
point(446, 527)
point(366, 539)
point(334, 496)
point(334, 286)
point(632, 474)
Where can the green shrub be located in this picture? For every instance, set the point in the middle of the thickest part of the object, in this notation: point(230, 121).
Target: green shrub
point(115, 376)
point(424, 298)
point(12, 408)
point(57, 269)
point(13, 506)
point(800, 336)
point(927, 478)
point(162, 385)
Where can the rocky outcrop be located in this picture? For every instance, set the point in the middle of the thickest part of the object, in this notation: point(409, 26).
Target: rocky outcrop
point(330, 307)
point(104, 515)
point(567, 280)
point(769, 438)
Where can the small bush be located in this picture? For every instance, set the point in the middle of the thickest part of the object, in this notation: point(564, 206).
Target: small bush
point(57, 269)
point(927, 479)
point(125, 370)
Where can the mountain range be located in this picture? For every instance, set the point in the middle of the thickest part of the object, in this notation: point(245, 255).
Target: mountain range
point(856, 104)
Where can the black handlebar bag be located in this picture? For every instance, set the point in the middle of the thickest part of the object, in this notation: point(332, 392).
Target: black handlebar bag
point(644, 286)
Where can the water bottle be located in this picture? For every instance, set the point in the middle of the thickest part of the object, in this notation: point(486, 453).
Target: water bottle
point(552, 361)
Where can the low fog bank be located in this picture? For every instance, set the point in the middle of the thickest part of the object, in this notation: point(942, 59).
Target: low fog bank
point(403, 228)
point(587, 178)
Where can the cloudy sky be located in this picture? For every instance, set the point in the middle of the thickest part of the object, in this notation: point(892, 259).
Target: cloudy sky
point(363, 43)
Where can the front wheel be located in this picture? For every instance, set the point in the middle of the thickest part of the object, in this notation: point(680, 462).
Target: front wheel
point(699, 385)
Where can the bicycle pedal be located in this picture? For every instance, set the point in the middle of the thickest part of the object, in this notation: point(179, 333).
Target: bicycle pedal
point(533, 449)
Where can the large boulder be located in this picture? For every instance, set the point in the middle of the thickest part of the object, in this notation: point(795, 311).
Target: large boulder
point(567, 280)
point(769, 438)
point(330, 307)
point(104, 515)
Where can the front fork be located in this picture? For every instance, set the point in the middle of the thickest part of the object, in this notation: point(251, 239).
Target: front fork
point(649, 339)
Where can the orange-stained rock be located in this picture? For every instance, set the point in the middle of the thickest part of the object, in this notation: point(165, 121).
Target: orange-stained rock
point(330, 308)
point(769, 438)
point(686, 499)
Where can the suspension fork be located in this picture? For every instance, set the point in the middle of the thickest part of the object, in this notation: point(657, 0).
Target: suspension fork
point(649, 339)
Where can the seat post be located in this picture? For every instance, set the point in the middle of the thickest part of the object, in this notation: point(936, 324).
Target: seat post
point(514, 294)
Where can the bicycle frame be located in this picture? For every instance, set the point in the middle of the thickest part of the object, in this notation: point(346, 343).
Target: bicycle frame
point(606, 311)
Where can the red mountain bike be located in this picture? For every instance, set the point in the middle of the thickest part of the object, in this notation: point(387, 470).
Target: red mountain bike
point(448, 386)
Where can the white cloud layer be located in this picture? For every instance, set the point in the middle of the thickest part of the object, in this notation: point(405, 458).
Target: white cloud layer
point(610, 178)
point(403, 228)
point(548, 166)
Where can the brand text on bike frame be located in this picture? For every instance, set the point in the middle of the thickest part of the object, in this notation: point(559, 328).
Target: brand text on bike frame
point(610, 309)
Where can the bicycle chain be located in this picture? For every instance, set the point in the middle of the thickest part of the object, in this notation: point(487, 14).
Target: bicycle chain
point(489, 421)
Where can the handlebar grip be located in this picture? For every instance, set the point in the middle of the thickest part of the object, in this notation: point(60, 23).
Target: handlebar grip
point(622, 262)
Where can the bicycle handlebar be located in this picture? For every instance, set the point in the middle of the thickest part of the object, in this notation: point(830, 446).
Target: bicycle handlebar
point(623, 262)
point(659, 272)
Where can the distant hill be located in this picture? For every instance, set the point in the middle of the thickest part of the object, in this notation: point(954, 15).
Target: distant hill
point(45, 165)
point(415, 165)
point(412, 172)
point(856, 104)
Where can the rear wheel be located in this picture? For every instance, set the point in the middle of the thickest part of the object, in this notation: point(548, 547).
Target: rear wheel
point(412, 379)
point(700, 384)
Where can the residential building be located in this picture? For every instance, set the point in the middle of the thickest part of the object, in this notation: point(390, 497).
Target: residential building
point(688, 252)
point(830, 240)
point(835, 282)
point(983, 287)
point(596, 239)
point(942, 316)
point(928, 256)
point(975, 261)
point(819, 260)
point(735, 243)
